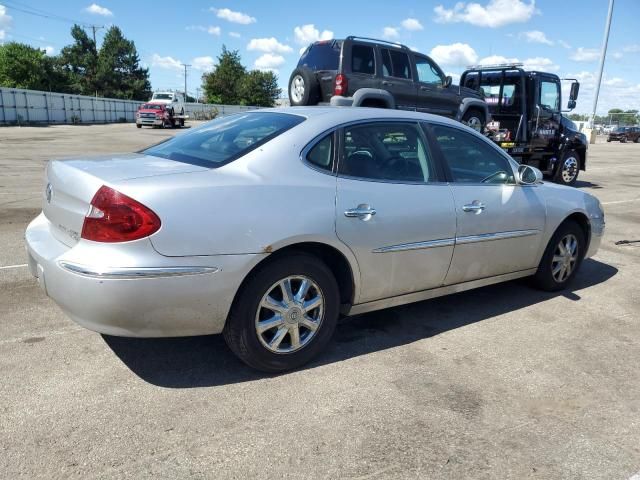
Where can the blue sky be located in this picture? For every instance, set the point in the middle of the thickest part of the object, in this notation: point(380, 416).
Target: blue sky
point(559, 36)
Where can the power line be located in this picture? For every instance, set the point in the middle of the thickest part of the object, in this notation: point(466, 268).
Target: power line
point(39, 13)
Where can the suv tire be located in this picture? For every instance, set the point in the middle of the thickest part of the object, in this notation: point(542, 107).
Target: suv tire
point(303, 87)
point(475, 119)
point(265, 342)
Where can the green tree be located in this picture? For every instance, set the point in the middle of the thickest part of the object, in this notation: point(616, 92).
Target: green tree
point(259, 89)
point(119, 74)
point(22, 66)
point(80, 61)
point(224, 83)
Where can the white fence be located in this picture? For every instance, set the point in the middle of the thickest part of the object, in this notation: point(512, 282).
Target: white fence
point(19, 106)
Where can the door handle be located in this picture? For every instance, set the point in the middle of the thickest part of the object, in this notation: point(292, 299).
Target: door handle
point(362, 211)
point(424, 89)
point(475, 207)
point(388, 84)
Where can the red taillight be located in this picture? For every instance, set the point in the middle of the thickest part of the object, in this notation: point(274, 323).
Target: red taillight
point(114, 217)
point(341, 85)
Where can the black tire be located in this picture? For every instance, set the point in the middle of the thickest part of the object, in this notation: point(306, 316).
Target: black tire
point(311, 93)
point(240, 329)
point(544, 278)
point(608, 140)
point(475, 119)
point(623, 139)
point(182, 111)
point(637, 140)
point(568, 168)
point(138, 125)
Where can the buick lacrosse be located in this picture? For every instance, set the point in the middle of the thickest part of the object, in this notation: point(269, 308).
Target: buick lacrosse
point(266, 226)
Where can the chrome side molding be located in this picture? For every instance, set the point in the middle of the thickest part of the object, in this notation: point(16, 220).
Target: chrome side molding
point(124, 273)
point(445, 242)
point(487, 237)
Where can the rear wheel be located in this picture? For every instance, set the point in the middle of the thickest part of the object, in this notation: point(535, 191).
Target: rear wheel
point(562, 257)
point(303, 87)
point(623, 139)
point(285, 314)
point(567, 170)
point(475, 119)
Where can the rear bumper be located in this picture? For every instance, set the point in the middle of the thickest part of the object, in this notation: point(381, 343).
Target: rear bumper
point(338, 101)
point(146, 295)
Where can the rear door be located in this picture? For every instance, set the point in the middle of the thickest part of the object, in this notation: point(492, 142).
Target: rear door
point(500, 223)
point(360, 64)
point(432, 96)
point(397, 78)
point(392, 210)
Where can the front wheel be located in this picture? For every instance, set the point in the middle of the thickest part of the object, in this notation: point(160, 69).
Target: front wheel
point(623, 140)
point(567, 170)
point(285, 314)
point(475, 119)
point(562, 257)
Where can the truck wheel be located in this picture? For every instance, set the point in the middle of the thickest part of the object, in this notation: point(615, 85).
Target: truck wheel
point(285, 314)
point(475, 119)
point(138, 125)
point(568, 168)
point(303, 87)
point(623, 139)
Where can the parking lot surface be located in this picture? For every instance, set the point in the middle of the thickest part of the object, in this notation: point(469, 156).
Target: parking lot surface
point(500, 382)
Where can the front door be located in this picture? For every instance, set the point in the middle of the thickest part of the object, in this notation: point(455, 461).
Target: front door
point(391, 209)
point(433, 96)
point(545, 120)
point(500, 223)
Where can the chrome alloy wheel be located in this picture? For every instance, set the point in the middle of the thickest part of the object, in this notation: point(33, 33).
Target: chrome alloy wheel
point(565, 258)
point(297, 88)
point(475, 123)
point(569, 169)
point(289, 314)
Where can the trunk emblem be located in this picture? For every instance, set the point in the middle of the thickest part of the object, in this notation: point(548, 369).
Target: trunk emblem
point(48, 192)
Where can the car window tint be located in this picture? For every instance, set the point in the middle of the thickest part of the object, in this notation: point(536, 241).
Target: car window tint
point(550, 95)
point(386, 63)
point(321, 56)
point(471, 159)
point(400, 63)
point(322, 153)
point(385, 151)
point(362, 60)
point(427, 73)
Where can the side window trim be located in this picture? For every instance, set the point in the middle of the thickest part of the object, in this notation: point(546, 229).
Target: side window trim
point(333, 132)
point(442, 161)
point(432, 65)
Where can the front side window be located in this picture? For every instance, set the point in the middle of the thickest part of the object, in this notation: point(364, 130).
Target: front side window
point(225, 139)
point(471, 159)
point(363, 60)
point(385, 151)
point(550, 95)
point(427, 73)
point(321, 154)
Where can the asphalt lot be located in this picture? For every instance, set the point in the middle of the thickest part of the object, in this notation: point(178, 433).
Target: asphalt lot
point(501, 382)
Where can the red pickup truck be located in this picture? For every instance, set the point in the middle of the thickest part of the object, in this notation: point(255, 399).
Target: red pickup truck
point(157, 115)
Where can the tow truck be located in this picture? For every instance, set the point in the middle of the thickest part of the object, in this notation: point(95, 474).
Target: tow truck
point(158, 115)
point(527, 120)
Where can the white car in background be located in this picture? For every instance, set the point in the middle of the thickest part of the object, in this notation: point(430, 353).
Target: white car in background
point(266, 225)
point(173, 100)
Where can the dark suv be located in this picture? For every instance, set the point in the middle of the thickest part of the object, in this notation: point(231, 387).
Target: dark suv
point(625, 134)
point(363, 72)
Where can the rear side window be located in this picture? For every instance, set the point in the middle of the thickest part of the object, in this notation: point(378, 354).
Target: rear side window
point(321, 155)
point(400, 64)
point(363, 60)
point(223, 140)
point(321, 56)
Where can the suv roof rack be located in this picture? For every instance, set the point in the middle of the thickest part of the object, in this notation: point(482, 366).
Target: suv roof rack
point(377, 40)
point(498, 66)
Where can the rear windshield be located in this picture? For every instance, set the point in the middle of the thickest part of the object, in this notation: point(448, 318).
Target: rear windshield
point(162, 96)
point(225, 139)
point(321, 56)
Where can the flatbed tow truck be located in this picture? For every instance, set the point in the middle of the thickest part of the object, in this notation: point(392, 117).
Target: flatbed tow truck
point(527, 120)
point(158, 115)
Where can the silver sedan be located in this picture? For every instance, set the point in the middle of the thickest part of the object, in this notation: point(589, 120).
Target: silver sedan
point(266, 226)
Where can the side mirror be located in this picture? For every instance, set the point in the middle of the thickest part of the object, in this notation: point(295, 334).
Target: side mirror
point(447, 81)
point(571, 104)
point(528, 175)
point(573, 94)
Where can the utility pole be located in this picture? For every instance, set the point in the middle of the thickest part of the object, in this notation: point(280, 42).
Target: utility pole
point(603, 54)
point(185, 80)
point(93, 29)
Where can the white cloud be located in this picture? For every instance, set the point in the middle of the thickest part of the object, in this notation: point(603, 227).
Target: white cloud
point(629, 48)
point(268, 61)
point(98, 10)
point(5, 22)
point(234, 34)
point(564, 44)
point(203, 63)
point(233, 17)
point(615, 92)
point(496, 13)
point(196, 27)
point(214, 31)
point(536, 36)
point(585, 55)
point(308, 33)
point(49, 50)
point(412, 24)
point(617, 55)
point(165, 62)
point(390, 33)
point(455, 55)
point(268, 45)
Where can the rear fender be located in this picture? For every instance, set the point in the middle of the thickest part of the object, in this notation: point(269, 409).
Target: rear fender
point(468, 103)
point(379, 95)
